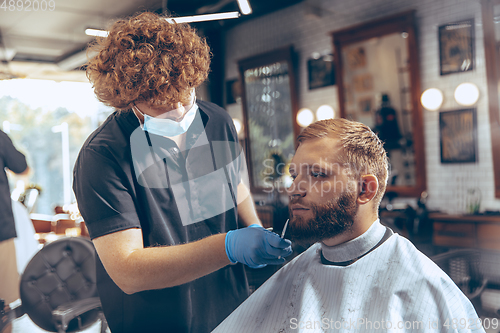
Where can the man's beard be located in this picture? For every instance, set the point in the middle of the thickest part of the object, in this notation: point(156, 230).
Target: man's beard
point(329, 220)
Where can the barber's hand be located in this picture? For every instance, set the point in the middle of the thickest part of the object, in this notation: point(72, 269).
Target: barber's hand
point(256, 247)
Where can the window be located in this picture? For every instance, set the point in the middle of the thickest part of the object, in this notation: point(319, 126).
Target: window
point(49, 121)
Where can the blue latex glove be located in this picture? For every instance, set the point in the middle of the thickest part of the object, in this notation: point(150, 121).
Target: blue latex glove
point(256, 247)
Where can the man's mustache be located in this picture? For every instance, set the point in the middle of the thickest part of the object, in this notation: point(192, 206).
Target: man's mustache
point(294, 201)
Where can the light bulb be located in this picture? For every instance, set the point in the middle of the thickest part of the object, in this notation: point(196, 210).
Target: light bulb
point(466, 94)
point(238, 125)
point(305, 117)
point(325, 112)
point(432, 99)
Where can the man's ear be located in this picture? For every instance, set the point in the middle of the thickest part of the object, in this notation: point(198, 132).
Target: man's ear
point(368, 187)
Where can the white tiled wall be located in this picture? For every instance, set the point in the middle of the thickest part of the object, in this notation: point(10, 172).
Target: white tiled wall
point(446, 184)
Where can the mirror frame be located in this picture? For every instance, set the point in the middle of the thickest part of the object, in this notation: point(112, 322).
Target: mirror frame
point(285, 54)
point(492, 77)
point(403, 22)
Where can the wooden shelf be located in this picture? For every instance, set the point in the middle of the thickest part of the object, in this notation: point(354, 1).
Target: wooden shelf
point(494, 219)
point(473, 231)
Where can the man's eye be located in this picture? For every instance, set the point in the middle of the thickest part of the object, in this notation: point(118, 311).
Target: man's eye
point(317, 174)
point(293, 176)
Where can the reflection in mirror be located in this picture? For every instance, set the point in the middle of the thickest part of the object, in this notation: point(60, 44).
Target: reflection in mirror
point(269, 108)
point(376, 81)
point(491, 32)
point(378, 84)
point(496, 15)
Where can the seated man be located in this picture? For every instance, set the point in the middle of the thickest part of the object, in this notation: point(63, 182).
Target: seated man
point(359, 276)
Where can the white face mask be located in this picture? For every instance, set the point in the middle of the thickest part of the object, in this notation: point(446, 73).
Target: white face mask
point(168, 127)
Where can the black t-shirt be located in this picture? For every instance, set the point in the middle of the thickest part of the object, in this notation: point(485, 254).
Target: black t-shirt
point(12, 159)
point(127, 178)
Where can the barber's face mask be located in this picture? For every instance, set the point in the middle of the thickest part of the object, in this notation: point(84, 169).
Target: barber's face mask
point(168, 127)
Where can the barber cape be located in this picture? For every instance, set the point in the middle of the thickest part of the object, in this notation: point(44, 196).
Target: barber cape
point(392, 288)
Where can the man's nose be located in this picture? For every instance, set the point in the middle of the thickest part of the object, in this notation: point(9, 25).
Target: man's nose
point(297, 189)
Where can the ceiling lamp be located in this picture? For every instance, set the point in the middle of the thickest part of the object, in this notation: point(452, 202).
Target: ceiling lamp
point(203, 18)
point(466, 94)
point(183, 19)
point(96, 32)
point(432, 99)
point(325, 112)
point(244, 7)
point(305, 117)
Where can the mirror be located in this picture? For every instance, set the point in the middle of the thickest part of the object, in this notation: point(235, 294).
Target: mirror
point(491, 32)
point(269, 109)
point(378, 82)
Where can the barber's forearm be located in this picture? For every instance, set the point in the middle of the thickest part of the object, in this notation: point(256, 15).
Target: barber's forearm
point(163, 267)
point(176, 265)
point(246, 208)
point(135, 268)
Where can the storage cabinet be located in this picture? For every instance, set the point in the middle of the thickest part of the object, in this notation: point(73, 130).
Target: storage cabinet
point(473, 231)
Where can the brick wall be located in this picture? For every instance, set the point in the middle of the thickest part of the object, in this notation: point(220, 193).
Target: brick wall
point(446, 184)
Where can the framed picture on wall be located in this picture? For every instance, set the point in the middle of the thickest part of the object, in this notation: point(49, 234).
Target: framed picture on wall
point(458, 136)
point(365, 104)
point(356, 58)
point(321, 72)
point(456, 47)
point(362, 82)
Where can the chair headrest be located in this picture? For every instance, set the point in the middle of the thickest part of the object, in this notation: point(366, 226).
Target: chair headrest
point(60, 272)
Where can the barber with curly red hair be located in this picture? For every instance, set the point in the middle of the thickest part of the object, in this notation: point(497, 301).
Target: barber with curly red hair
point(160, 186)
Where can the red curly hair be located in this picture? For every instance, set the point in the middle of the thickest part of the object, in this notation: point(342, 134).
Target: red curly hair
point(147, 59)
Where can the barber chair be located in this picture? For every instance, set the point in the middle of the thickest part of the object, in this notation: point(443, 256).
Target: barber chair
point(58, 288)
point(463, 267)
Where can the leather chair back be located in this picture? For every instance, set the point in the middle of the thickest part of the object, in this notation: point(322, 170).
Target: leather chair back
point(63, 271)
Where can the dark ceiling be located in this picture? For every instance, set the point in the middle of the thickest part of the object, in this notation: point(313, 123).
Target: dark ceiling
point(57, 36)
point(259, 7)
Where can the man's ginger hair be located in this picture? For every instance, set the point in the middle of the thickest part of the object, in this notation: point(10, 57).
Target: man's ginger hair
point(147, 59)
point(362, 152)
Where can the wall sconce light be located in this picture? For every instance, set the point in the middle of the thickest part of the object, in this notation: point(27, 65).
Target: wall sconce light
point(238, 125)
point(466, 94)
point(305, 117)
point(432, 99)
point(325, 112)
